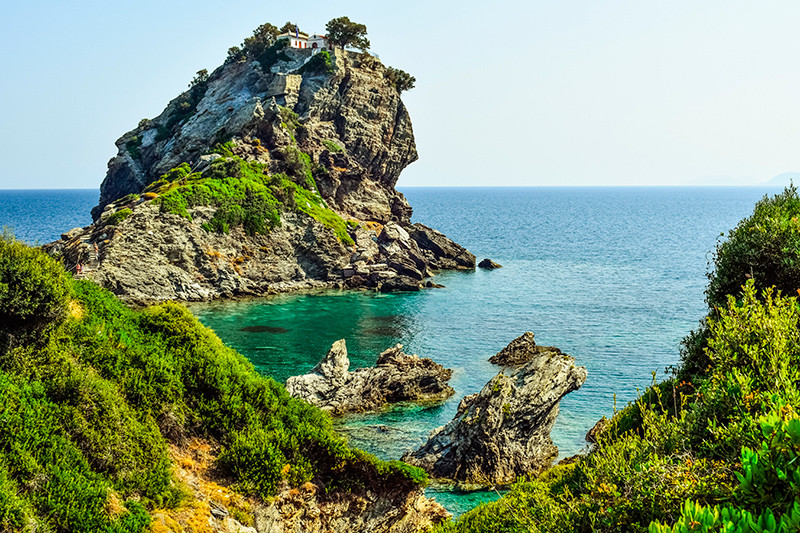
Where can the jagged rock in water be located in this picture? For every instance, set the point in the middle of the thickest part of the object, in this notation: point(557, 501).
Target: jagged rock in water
point(396, 377)
point(488, 264)
point(520, 351)
point(385, 509)
point(441, 252)
point(357, 136)
point(503, 431)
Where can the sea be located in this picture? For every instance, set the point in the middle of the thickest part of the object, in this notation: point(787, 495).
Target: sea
point(613, 276)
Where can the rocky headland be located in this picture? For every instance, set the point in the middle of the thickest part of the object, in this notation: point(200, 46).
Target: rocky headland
point(503, 431)
point(396, 377)
point(267, 175)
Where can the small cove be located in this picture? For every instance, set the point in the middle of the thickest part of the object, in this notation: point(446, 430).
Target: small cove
point(612, 276)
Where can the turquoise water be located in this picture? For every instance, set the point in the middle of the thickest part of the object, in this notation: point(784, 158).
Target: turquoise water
point(612, 276)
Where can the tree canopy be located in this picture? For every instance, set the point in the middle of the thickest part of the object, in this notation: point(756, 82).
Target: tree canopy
point(262, 38)
point(343, 32)
point(289, 27)
point(401, 79)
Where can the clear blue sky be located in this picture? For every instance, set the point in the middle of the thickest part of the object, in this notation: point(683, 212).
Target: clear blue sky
point(508, 92)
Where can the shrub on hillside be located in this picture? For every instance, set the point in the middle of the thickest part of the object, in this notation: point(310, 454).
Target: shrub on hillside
point(320, 63)
point(765, 247)
point(34, 291)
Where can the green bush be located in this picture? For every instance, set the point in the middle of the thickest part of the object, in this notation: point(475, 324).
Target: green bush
point(276, 52)
point(320, 63)
point(765, 247)
point(119, 216)
point(134, 147)
point(34, 292)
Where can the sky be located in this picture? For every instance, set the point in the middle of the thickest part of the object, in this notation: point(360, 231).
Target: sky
point(509, 92)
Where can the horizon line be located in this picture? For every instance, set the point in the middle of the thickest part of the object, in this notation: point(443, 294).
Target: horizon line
point(698, 186)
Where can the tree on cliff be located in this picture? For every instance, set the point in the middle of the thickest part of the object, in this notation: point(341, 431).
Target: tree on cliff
point(343, 32)
point(262, 38)
point(401, 79)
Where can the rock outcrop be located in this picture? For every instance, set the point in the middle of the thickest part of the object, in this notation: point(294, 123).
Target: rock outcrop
point(597, 429)
point(503, 431)
point(343, 134)
point(381, 510)
point(521, 350)
point(397, 507)
point(396, 377)
point(488, 264)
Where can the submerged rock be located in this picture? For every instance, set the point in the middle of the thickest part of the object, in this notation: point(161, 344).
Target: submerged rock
point(488, 264)
point(397, 377)
point(520, 351)
point(503, 431)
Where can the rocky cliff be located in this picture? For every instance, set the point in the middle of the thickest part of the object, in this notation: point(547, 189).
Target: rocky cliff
point(270, 174)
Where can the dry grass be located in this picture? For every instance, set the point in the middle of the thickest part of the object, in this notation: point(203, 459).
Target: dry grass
point(193, 466)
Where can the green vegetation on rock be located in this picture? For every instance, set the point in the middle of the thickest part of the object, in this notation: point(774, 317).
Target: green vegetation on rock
point(119, 216)
point(88, 406)
point(245, 194)
point(134, 147)
point(332, 146)
point(186, 104)
point(402, 80)
point(320, 63)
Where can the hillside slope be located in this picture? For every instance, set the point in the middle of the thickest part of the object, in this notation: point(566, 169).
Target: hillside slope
point(104, 410)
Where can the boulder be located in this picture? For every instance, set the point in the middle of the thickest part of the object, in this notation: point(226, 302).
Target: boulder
point(488, 264)
point(397, 377)
point(520, 351)
point(503, 431)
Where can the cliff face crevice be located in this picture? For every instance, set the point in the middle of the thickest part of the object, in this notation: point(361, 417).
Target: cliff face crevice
point(322, 147)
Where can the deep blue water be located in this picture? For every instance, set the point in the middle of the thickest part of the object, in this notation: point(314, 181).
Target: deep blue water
point(612, 276)
point(39, 216)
